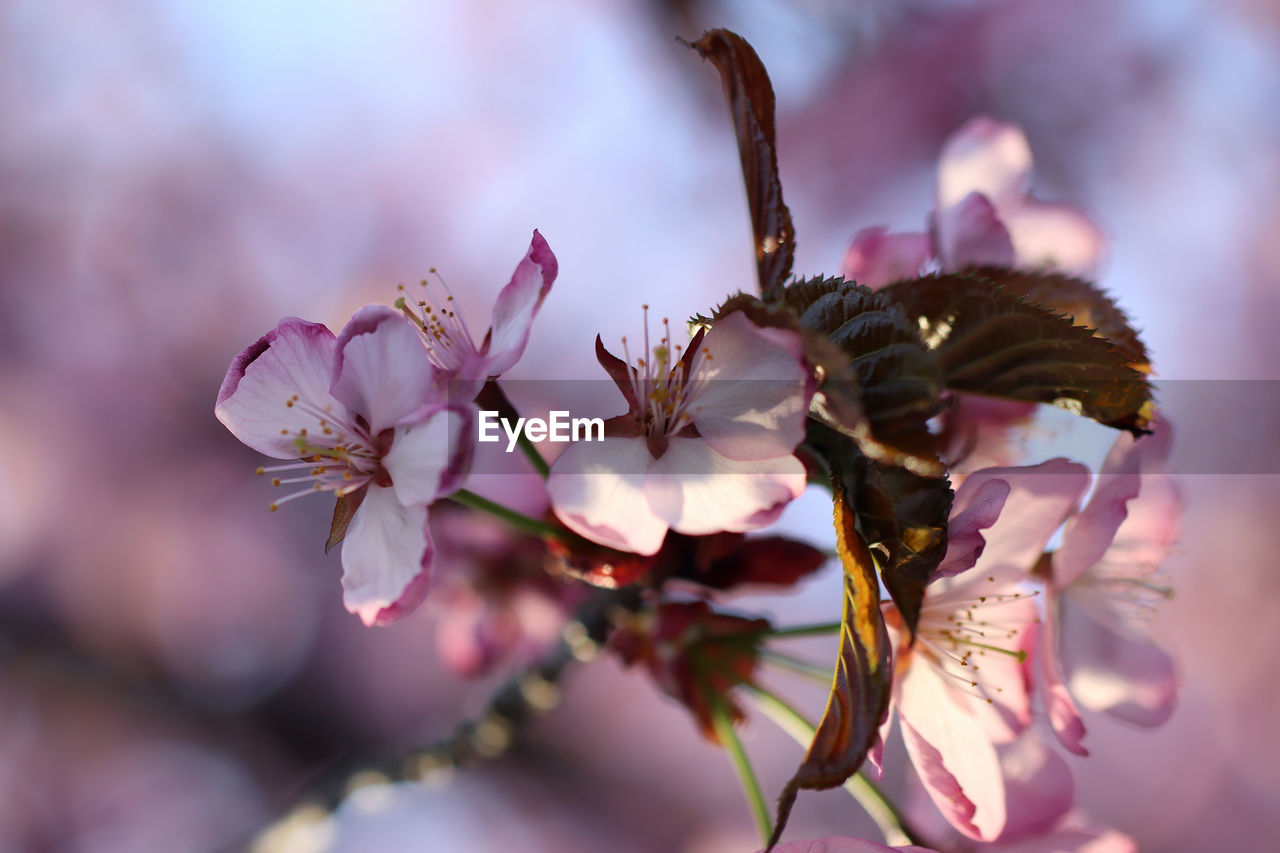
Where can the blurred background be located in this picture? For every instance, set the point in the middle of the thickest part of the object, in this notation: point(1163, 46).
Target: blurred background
point(176, 668)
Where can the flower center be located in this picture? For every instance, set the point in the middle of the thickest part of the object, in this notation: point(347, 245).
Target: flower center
point(449, 343)
point(338, 456)
point(664, 387)
point(960, 635)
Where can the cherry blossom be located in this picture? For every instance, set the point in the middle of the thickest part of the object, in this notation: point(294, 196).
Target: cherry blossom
point(707, 443)
point(983, 216)
point(450, 345)
point(962, 689)
point(1103, 586)
point(364, 416)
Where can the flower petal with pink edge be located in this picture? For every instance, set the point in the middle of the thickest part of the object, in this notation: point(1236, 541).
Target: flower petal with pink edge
point(976, 507)
point(971, 233)
point(381, 370)
point(385, 558)
point(877, 256)
point(1041, 497)
point(1111, 667)
point(1055, 236)
point(1060, 707)
point(1090, 532)
point(598, 490)
point(984, 156)
point(431, 458)
point(836, 844)
point(749, 392)
point(294, 358)
point(698, 491)
point(1038, 785)
point(956, 762)
point(516, 306)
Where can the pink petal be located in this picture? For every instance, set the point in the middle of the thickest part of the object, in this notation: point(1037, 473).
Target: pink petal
point(976, 507)
point(1089, 533)
point(597, 489)
point(1133, 519)
point(385, 558)
point(1039, 788)
point(698, 491)
point(1041, 497)
point(382, 371)
point(984, 156)
point(294, 358)
point(1064, 717)
point(1112, 667)
point(517, 305)
point(956, 762)
point(877, 257)
point(750, 390)
point(842, 845)
point(971, 233)
point(1055, 236)
point(431, 458)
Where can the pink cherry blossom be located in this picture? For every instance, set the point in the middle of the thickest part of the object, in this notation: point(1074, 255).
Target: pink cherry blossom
point(365, 418)
point(707, 444)
point(984, 210)
point(450, 344)
point(984, 215)
point(962, 689)
point(1103, 587)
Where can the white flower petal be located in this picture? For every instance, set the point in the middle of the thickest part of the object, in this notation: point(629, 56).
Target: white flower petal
point(698, 491)
point(431, 458)
point(597, 490)
point(385, 558)
point(749, 393)
point(382, 370)
point(295, 358)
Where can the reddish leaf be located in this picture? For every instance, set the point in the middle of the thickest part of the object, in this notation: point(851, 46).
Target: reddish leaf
point(751, 103)
point(683, 645)
point(773, 561)
point(595, 564)
point(859, 697)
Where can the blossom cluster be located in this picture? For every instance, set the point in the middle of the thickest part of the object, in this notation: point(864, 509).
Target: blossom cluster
point(1036, 610)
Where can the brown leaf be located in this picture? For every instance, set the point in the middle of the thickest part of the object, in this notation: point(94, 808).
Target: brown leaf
point(751, 104)
point(1086, 303)
point(987, 340)
point(894, 376)
point(859, 697)
point(904, 519)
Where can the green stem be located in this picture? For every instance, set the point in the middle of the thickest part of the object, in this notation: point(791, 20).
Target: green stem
point(518, 520)
point(805, 630)
point(750, 784)
point(893, 825)
point(811, 671)
point(492, 397)
point(815, 630)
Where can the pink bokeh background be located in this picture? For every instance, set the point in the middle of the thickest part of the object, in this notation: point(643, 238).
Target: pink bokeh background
point(175, 664)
